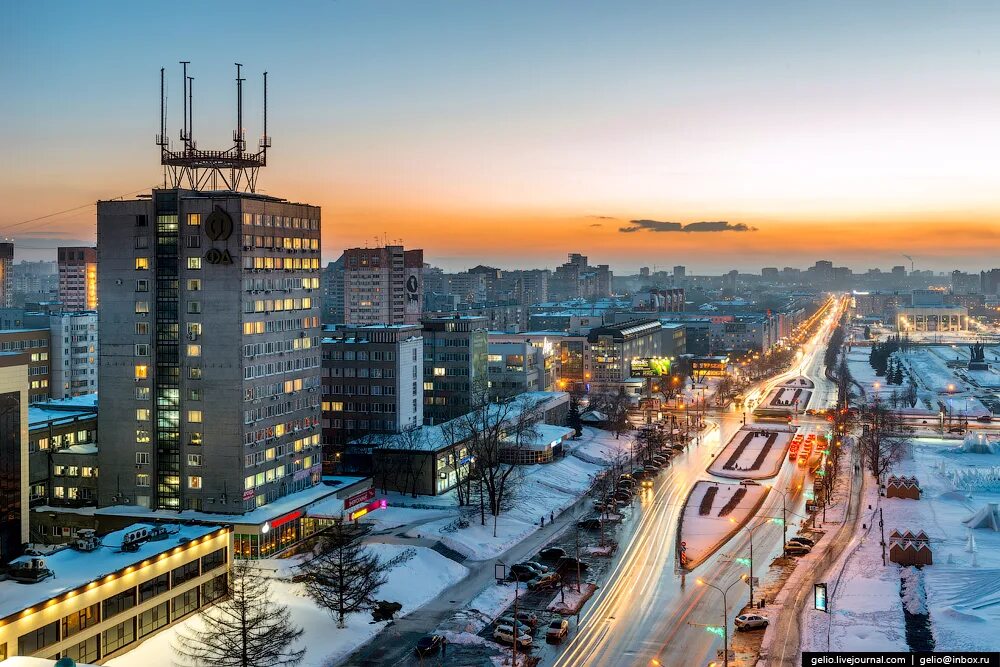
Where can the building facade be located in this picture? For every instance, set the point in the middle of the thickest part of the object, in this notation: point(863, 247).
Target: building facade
point(515, 367)
point(35, 343)
point(6, 275)
point(78, 278)
point(455, 366)
point(14, 524)
point(372, 385)
point(73, 354)
point(210, 356)
point(383, 285)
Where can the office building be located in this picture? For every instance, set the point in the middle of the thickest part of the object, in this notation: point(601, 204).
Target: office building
point(13, 455)
point(680, 274)
point(73, 354)
point(98, 601)
point(372, 385)
point(382, 285)
point(455, 366)
point(35, 343)
point(612, 349)
point(578, 279)
point(78, 278)
point(515, 367)
point(209, 363)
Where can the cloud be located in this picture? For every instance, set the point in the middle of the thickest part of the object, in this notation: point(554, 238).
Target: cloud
point(596, 224)
point(664, 226)
point(602, 217)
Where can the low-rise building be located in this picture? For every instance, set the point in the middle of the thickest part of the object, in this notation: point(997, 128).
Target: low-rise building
point(13, 455)
point(35, 343)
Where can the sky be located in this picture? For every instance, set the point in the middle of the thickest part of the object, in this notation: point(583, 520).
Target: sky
point(511, 133)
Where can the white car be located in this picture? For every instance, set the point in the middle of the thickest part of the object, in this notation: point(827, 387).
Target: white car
point(505, 634)
point(750, 622)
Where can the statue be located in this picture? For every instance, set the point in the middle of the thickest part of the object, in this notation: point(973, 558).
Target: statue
point(977, 357)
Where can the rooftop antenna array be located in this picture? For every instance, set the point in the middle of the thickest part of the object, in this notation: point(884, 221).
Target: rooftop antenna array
point(233, 169)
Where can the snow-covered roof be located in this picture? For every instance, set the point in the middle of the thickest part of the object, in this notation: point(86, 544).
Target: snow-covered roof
point(544, 436)
point(74, 569)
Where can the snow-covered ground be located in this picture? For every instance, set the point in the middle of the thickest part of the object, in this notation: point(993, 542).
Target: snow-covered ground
point(413, 584)
point(744, 466)
point(701, 534)
point(960, 591)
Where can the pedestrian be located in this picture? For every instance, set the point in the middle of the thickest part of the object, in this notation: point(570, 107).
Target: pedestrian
point(543, 521)
point(444, 648)
point(552, 517)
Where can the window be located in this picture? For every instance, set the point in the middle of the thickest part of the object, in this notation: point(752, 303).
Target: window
point(141, 371)
point(194, 481)
point(194, 460)
point(142, 285)
point(116, 604)
point(196, 438)
point(142, 393)
point(141, 241)
point(142, 328)
point(194, 328)
point(142, 263)
point(194, 416)
point(185, 603)
point(194, 307)
point(84, 652)
point(120, 635)
point(36, 640)
point(214, 589)
point(193, 350)
point(428, 386)
point(213, 560)
point(141, 307)
point(185, 572)
point(194, 263)
point(194, 394)
point(142, 436)
point(194, 284)
point(194, 241)
point(80, 620)
point(142, 458)
point(438, 372)
point(142, 414)
point(194, 373)
point(153, 619)
point(140, 221)
point(155, 586)
point(142, 479)
point(142, 349)
point(194, 219)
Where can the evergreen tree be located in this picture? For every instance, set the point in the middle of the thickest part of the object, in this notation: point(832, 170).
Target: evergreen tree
point(573, 418)
point(247, 629)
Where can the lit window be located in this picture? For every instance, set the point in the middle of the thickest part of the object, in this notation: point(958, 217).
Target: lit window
point(194, 416)
point(193, 350)
point(141, 263)
point(194, 328)
point(438, 372)
point(194, 263)
point(142, 414)
point(194, 218)
point(428, 386)
point(194, 284)
point(194, 460)
point(141, 307)
point(142, 479)
point(142, 436)
point(141, 371)
point(194, 481)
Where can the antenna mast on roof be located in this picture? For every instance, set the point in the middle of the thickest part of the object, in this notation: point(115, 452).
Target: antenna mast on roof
point(233, 169)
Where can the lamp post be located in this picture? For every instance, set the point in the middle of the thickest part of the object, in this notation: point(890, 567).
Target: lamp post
point(725, 615)
point(784, 517)
point(750, 530)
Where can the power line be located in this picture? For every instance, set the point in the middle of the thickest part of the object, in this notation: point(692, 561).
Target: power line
point(69, 210)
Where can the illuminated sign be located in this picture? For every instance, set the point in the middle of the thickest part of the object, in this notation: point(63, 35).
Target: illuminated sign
point(248, 494)
point(370, 507)
point(359, 498)
point(291, 516)
point(650, 367)
point(819, 597)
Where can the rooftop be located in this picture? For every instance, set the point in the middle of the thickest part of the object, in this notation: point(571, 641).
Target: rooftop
point(74, 569)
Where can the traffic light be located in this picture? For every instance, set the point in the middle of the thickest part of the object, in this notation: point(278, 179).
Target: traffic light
point(714, 629)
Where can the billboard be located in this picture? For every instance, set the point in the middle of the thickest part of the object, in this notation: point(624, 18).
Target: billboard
point(650, 367)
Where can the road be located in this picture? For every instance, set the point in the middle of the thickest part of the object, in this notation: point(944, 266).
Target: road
point(643, 613)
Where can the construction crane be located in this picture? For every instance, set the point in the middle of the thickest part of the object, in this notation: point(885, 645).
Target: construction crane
point(911, 262)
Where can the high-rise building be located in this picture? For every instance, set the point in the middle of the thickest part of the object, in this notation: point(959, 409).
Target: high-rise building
point(35, 343)
point(372, 385)
point(989, 281)
point(383, 285)
point(13, 455)
point(333, 292)
point(6, 275)
point(78, 278)
point(455, 366)
point(73, 354)
point(209, 356)
point(578, 279)
point(680, 274)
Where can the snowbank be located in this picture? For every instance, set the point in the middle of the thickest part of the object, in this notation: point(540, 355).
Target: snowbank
point(712, 514)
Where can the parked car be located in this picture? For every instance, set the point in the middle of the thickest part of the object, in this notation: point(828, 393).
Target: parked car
point(956, 429)
point(590, 523)
point(647, 483)
point(429, 644)
point(796, 549)
point(557, 631)
point(528, 618)
point(984, 419)
point(523, 572)
point(750, 622)
point(626, 484)
point(568, 563)
point(538, 566)
point(623, 496)
point(660, 460)
point(639, 473)
point(750, 482)
point(677, 447)
point(522, 628)
point(552, 553)
point(505, 634)
point(798, 539)
point(547, 580)
point(652, 470)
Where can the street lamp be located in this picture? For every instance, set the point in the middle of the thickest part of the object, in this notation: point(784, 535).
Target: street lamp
point(784, 518)
point(725, 614)
point(750, 530)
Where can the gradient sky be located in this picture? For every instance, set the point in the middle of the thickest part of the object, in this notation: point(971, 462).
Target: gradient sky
point(510, 133)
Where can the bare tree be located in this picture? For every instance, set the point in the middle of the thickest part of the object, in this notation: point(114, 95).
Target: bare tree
point(884, 437)
point(247, 629)
point(618, 413)
point(345, 577)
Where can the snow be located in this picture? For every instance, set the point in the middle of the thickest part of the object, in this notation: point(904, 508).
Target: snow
point(412, 584)
point(570, 600)
point(744, 464)
point(703, 535)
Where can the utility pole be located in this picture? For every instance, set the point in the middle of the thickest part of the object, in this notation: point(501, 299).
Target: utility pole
point(881, 527)
point(514, 630)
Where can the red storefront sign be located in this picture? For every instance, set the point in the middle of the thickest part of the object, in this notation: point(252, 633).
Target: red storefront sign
point(248, 494)
point(370, 507)
point(359, 498)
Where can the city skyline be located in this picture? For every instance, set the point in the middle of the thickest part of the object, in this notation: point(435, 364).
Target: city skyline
point(853, 134)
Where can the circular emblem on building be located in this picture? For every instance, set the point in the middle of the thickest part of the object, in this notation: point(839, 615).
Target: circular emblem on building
point(218, 225)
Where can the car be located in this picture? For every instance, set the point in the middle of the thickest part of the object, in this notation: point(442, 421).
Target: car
point(624, 475)
point(639, 473)
point(796, 549)
point(750, 622)
point(626, 484)
point(749, 482)
point(429, 644)
point(984, 419)
point(623, 495)
point(528, 618)
point(956, 429)
point(522, 628)
point(542, 569)
point(505, 634)
point(523, 572)
point(647, 483)
point(547, 580)
point(590, 523)
point(677, 447)
point(557, 630)
point(658, 458)
point(569, 563)
point(652, 470)
point(552, 553)
point(799, 539)
point(603, 505)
